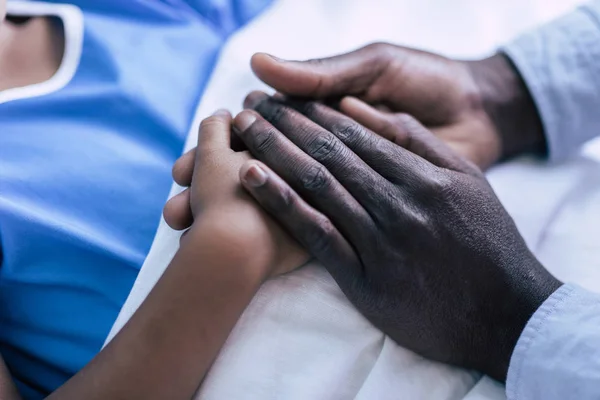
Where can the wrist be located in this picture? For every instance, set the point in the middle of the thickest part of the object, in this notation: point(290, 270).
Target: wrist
point(514, 313)
point(509, 105)
point(215, 237)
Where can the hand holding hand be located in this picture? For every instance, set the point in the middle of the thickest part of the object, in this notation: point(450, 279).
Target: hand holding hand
point(414, 236)
point(215, 201)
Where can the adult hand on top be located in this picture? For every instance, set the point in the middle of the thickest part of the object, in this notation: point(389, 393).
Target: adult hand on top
point(414, 236)
point(482, 109)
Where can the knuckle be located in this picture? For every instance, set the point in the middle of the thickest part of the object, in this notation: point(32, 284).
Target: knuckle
point(323, 146)
point(315, 179)
point(381, 148)
point(211, 122)
point(378, 47)
point(264, 140)
point(348, 131)
point(381, 51)
point(273, 112)
point(309, 108)
point(440, 185)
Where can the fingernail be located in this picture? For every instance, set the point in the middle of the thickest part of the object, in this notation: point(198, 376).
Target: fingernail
point(221, 113)
point(255, 176)
point(254, 99)
point(280, 60)
point(244, 120)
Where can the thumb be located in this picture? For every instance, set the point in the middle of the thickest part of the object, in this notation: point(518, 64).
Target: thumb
point(347, 74)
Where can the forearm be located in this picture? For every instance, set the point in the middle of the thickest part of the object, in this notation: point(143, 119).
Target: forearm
point(510, 106)
point(8, 391)
point(167, 347)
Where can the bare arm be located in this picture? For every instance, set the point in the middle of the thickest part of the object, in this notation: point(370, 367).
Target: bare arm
point(170, 343)
point(168, 346)
point(7, 388)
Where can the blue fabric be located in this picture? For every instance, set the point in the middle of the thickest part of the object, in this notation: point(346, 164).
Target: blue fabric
point(85, 171)
point(558, 354)
point(560, 63)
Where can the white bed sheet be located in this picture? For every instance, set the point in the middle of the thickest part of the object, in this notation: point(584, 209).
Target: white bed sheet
point(300, 338)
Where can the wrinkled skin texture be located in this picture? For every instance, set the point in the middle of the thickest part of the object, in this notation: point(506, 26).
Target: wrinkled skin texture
point(412, 232)
point(481, 109)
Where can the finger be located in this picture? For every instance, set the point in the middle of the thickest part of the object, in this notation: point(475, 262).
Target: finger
point(350, 73)
point(310, 178)
point(311, 228)
point(382, 108)
point(366, 115)
point(406, 131)
point(393, 162)
point(463, 138)
point(237, 144)
point(352, 172)
point(177, 211)
point(183, 169)
point(214, 134)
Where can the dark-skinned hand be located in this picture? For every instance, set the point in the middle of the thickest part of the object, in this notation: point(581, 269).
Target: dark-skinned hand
point(482, 109)
point(412, 233)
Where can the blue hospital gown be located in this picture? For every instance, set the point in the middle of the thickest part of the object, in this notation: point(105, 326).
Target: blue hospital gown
point(85, 171)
